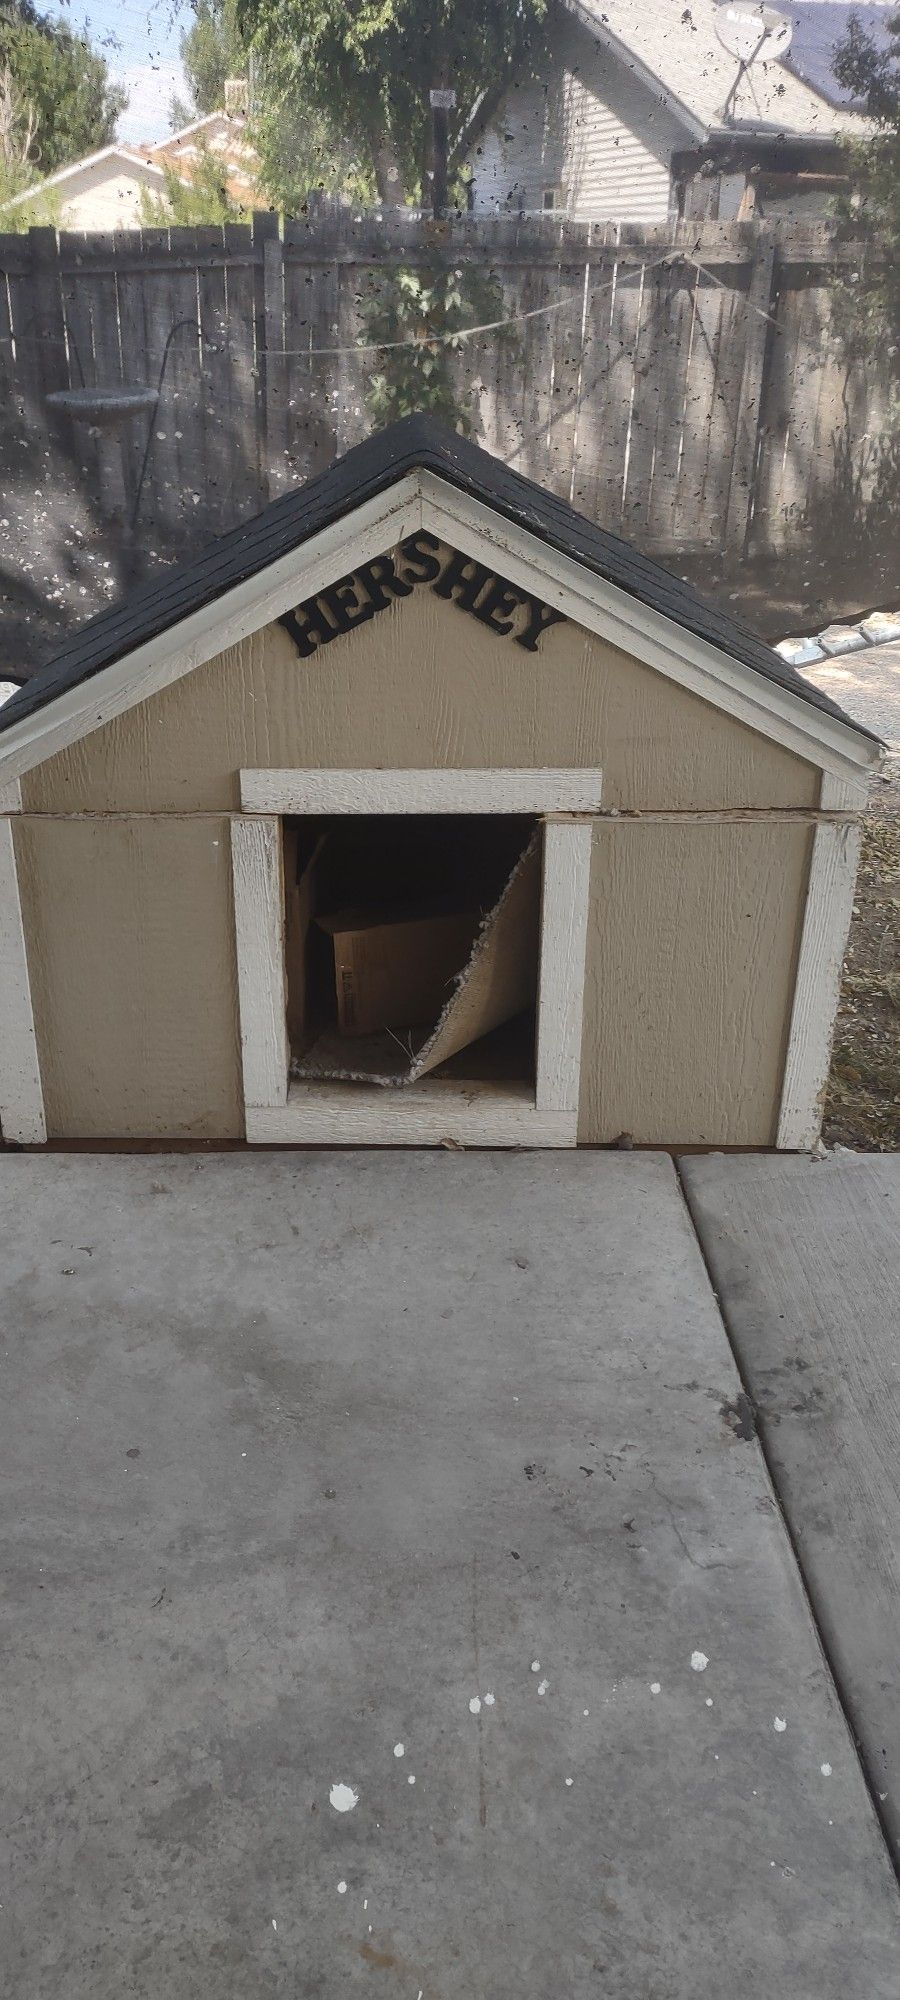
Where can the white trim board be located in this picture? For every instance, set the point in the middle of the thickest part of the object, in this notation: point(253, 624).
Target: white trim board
point(434, 791)
point(21, 1096)
point(424, 500)
point(564, 917)
point(826, 923)
point(432, 1112)
point(258, 879)
point(280, 1111)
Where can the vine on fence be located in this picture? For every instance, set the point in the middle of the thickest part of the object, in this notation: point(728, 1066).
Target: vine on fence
point(428, 306)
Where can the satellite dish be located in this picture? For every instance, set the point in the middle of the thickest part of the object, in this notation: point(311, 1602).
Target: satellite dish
point(751, 33)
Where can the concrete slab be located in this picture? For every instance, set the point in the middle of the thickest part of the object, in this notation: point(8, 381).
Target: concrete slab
point(304, 1457)
point(867, 685)
point(806, 1259)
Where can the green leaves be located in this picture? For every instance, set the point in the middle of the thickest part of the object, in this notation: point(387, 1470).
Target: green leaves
point(366, 66)
point(61, 86)
point(422, 314)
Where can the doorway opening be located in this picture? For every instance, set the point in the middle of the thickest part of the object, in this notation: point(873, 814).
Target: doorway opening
point(412, 947)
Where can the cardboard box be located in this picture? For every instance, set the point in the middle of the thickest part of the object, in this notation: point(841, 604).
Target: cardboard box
point(491, 981)
point(395, 972)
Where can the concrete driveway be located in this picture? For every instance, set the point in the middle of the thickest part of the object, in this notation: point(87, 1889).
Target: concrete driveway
point(867, 685)
point(805, 1257)
point(396, 1602)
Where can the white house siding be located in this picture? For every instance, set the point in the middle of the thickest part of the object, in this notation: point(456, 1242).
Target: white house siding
point(108, 201)
point(593, 130)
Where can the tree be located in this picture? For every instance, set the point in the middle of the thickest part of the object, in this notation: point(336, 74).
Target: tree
point(367, 69)
point(60, 88)
point(211, 51)
point(866, 300)
point(191, 204)
point(872, 72)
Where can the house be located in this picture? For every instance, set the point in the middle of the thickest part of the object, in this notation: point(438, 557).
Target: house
point(642, 113)
point(221, 134)
point(420, 690)
point(108, 190)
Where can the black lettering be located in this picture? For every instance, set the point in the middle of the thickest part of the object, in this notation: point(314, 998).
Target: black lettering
point(382, 582)
point(540, 616)
point(306, 630)
point(344, 605)
point(422, 565)
point(456, 582)
point(496, 606)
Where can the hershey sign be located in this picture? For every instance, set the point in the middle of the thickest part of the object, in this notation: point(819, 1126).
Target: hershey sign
point(421, 559)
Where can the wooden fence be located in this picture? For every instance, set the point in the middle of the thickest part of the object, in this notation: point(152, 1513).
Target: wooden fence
point(682, 387)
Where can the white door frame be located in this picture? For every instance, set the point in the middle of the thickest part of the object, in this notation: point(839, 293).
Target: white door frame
point(280, 1110)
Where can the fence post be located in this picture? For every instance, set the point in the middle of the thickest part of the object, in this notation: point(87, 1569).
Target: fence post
point(277, 464)
point(49, 323)
point(758, 308)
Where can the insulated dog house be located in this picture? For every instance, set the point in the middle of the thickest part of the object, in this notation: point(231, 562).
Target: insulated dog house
point(647, 821)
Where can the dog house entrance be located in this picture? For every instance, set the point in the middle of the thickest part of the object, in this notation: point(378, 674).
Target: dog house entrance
point(410, 975)
point(411, 947)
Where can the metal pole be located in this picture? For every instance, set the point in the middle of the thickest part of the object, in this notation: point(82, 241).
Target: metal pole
point(442, 102)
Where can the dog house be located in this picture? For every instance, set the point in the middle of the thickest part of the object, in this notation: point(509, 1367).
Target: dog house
point(421, 810)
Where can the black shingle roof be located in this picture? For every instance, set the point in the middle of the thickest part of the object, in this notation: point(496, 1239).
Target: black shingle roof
point(362, 473)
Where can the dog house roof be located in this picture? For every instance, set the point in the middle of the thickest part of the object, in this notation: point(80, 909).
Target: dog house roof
point(415, 443)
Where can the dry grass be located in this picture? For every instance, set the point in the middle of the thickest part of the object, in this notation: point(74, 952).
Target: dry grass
point(862, 1104)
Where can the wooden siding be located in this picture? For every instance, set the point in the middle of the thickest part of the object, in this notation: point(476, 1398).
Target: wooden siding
point(422, 685)
point(130, 938)
point(692, 947)
point(692, 940)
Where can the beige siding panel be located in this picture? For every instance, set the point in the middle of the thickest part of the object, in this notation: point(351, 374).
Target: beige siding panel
point(692, 948)
point(422, 685)
point(130, 938)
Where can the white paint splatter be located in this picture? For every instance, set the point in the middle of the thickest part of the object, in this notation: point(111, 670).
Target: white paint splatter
point(399, 1749)
point(779, 1724)
point(475, 1705)
point(342, 1888)
point(570, 1781)
point(410, 1780)
point(343, 1798)
point(825, 1770)
point(274, 1925)
point(585, 1711)
point(535, 1666)
point(699, 1662)
point(490, 1700)
point(709, 1701)
point(656, 1687)
point(543, 1686)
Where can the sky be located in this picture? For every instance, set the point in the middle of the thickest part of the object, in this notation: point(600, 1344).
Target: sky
point(140, 44)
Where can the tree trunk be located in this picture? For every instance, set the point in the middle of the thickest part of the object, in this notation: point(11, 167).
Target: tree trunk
point(388, 176)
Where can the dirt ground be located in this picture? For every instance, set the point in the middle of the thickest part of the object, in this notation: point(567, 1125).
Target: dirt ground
point(862, 1105)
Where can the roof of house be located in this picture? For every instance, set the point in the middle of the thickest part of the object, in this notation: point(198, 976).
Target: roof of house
point(223, 134)
point(415, 443)
point(674, 47)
